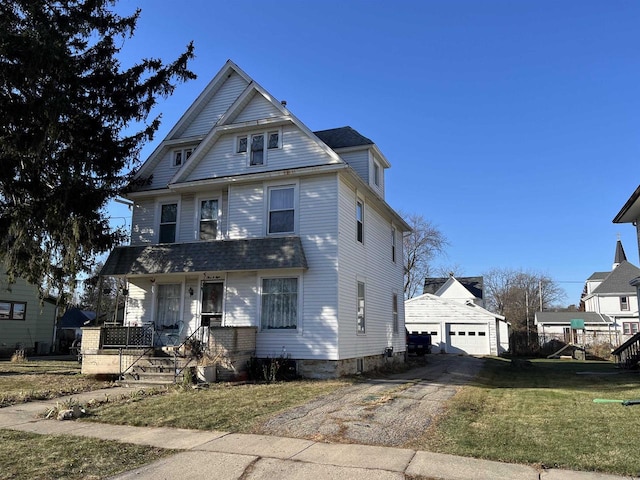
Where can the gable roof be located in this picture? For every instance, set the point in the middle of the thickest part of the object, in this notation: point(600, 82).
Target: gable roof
point(219, 255)
point(598, 276)
point(630, 212)
point(617, 281)
point(475, 285)
point(429, 308)
point(564, 318)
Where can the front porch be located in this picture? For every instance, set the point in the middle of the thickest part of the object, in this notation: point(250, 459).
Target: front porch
point(133, 353)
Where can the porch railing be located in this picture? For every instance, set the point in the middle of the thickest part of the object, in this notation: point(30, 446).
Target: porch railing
point(628, 354)
point(127, 337)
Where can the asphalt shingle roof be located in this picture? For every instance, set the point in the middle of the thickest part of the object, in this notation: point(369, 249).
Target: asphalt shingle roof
point(473, 284)
point(618, 280)
point(215, 256)
point(566, 317)
point(342, 137)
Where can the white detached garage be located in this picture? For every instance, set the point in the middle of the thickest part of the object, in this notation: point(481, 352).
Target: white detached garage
point(457, 327)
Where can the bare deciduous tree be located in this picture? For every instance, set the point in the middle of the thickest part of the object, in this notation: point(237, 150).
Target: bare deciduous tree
point(421, 246)
point(518, 294)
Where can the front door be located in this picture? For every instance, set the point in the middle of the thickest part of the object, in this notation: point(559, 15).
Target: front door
point(211, 312)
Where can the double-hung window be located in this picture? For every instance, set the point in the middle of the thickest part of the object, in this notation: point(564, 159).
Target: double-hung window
point(394, 312)
point(279, 303)
point(630, 328)
point(257, 145)
point(12, 310)
point(281, 215)
point(208, 228)
point(360, 221)
point(168, 223)
point(624, 303)
point(360, 327)
point(393, 245)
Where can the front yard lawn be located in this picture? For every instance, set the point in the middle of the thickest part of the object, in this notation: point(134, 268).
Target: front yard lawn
point(225, 407)
point(542, 413)
point(43, 379)
point(25, 456)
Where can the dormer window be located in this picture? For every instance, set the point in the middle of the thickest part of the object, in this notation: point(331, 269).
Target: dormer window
point(376, 174)
point(257, 145)
point(181, 156)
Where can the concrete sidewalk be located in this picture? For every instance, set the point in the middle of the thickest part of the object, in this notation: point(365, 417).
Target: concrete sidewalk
point(222, 455)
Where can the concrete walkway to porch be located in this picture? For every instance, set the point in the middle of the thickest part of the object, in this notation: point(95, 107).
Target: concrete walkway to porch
point(222, 455)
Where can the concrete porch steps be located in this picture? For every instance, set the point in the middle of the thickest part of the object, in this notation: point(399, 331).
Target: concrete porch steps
point(157, 369)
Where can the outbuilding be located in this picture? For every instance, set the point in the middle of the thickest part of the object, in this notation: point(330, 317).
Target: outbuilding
point(457, 327)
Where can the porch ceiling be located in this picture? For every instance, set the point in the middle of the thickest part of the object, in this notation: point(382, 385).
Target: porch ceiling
point(214, 256)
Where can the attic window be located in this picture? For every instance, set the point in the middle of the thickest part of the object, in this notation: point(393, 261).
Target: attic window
point(257, 150)
point(376, 173)
point(274, 140)
point(242, 145)
point(180, 156)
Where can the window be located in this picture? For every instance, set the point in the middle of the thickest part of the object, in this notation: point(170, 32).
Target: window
point(168, 221)
point(12, 310)
point(257, 150)
point(393, 245)
point(208, 220)
point(360, 308)
point(279, 303)
point(630, 328)
point(482, 334)
point(394, 309)
point(180, 156)
point(168, 314)
point(472, 334)
point(360, 221)
point(624, 303)
point(281, 210)
point(255, 145)
point(242, 145)
point(376, 173)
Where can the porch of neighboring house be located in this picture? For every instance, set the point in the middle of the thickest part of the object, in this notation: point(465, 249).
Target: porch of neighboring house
point(150, 355)
point(628, 354)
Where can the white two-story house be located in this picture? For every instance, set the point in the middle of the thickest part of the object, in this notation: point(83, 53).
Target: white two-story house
point(243, 217)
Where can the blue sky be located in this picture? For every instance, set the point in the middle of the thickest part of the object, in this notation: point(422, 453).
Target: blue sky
point(511, 125)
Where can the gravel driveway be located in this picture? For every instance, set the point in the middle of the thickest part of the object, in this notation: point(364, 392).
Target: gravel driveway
point(386, 411)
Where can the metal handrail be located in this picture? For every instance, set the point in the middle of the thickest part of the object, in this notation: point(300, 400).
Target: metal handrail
point(178, 371)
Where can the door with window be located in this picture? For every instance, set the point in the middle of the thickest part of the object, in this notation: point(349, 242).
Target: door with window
point(212, 296)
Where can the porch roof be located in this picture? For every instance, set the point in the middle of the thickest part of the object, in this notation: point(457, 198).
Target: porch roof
point(215, 256)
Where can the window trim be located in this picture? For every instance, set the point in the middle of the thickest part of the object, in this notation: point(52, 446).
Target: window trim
point(361, 325)
point(183, 153)
point(624, 305)
point(393, 243)
point(247, 150)
point(296, 207)
point(12, 304)
point(198, 219)
point(627, 328)
point(299, 293)
point(395, 318)
point(360, 221)
point(159, 205)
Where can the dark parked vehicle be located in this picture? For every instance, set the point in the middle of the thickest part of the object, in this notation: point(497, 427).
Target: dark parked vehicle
point(418, 343)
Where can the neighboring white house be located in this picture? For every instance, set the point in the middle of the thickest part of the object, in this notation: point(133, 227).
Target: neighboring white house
point(610, 304)
point(561, 326)
point(611, 294)
point(457, 327)
point(243, 217)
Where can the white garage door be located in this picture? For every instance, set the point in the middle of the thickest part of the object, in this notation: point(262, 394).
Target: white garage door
point(468, 338)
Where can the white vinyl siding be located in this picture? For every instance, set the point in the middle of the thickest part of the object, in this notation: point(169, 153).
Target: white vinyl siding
point(211, 112)
point(369, 264)
point(316, 336)
point(139, 302)
point(223, 160)
point(246, 211)
point(359, 161)
point(240, 307)
point(257, 108)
